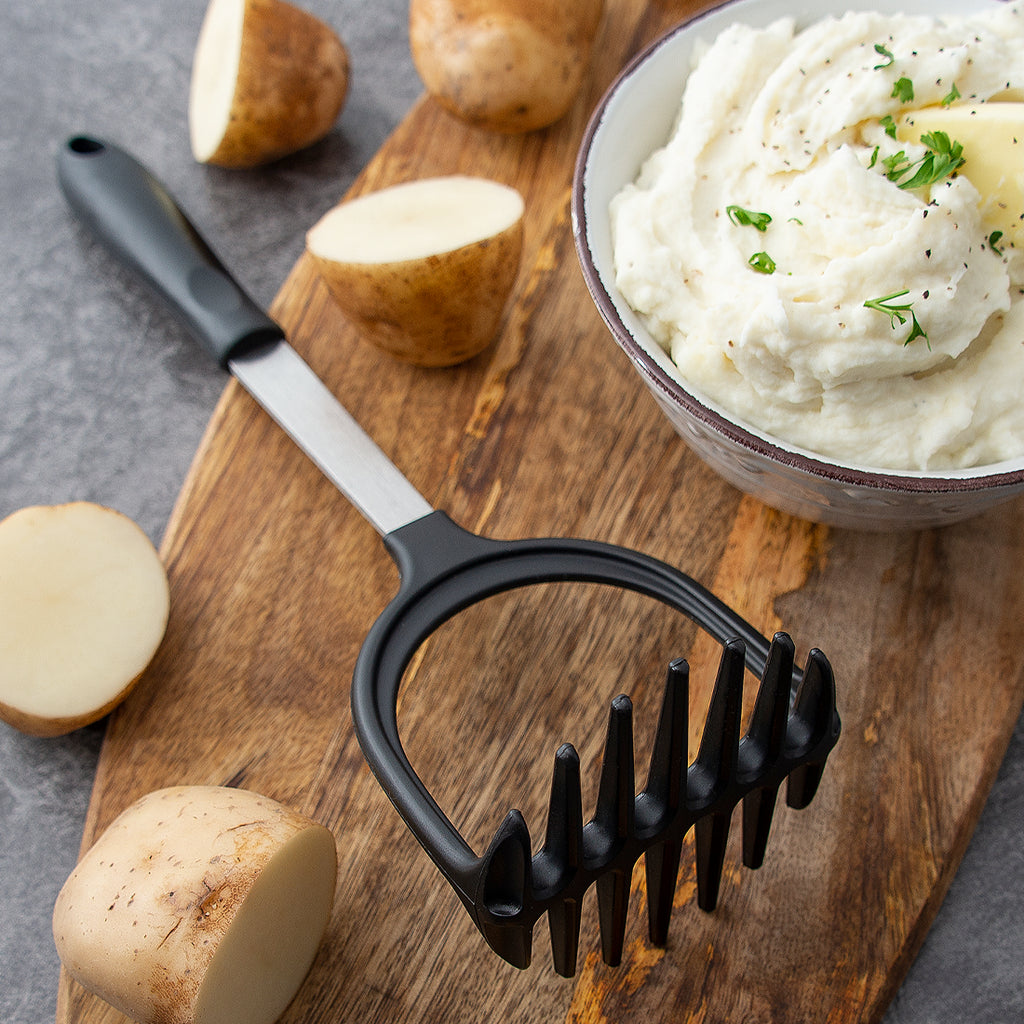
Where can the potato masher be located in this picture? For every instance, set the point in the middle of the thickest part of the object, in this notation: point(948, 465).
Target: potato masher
point(443, 570)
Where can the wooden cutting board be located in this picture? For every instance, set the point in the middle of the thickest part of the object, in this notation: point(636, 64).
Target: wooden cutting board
point(276, 579)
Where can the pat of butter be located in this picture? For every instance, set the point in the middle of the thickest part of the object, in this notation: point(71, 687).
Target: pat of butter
point(992, 135)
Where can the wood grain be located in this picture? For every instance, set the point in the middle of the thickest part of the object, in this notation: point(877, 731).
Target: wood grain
point(275, 581)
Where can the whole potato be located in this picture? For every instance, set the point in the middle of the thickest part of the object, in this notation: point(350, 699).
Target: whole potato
point(506, 65)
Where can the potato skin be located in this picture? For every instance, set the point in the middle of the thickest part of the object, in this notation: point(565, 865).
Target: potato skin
point(292, 83)
point(36, 725)
point(436, 311)
point(511, 66)
point(142, 915)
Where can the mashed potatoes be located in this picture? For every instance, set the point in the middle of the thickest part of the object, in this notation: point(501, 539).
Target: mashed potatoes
point(796, 283)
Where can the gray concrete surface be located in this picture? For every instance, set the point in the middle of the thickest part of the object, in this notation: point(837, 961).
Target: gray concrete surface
point(103, 397)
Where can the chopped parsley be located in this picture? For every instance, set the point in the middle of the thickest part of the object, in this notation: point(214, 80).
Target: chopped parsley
point(762, 263)
point(895, 312)
point(943, 157)
point(748, 218)
point(993, 242)
point(881, 50)
point(951, 97)
point(903, 90)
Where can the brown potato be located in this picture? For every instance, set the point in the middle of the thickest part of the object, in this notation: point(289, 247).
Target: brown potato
point(198, 905)
point(505, 65)
point(84, 601)
point(268, 79)
point(423, 269)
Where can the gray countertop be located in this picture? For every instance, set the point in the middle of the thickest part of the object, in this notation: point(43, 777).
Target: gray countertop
point(89, 409)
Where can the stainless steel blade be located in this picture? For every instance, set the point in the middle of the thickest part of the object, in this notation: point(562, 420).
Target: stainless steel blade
point(284, 384)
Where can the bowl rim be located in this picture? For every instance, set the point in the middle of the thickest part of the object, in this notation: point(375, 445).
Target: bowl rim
point(760, 444)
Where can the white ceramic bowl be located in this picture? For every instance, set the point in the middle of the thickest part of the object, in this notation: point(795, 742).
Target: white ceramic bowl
point(635, 118)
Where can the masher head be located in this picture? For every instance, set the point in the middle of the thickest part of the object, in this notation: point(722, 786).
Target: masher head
point(444, 569)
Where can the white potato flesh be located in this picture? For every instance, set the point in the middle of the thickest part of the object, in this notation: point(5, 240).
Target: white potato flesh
point(415, 220)
point(84, 602)
point(268, 79)
point(992, 136)
point(215, 72)
point(199, 905)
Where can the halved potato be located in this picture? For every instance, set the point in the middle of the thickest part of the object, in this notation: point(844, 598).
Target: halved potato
point(424, 269)
point(992, 135)
point(268, 79)
point(198, 905)
point(84, 602)
point(504, 65)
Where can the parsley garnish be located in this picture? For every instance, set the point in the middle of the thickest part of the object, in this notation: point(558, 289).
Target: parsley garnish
point(903, 90)
point(883, 52)
point(993, 242)
point(748, 218)
point(896, 311)
point(889, 125)
point(952, 96)
point(896, 165)
point(942, 158)
point(762, 263)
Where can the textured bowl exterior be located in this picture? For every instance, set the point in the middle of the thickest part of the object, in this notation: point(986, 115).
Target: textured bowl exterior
point(633, 119)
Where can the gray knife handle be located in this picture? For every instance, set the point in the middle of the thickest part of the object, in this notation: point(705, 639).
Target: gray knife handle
point(132, 213)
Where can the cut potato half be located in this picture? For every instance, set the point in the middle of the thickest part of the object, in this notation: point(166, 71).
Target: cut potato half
point(268, 79)
point(424, 269)
point(84, 602)
point(198, 905)
point(992, 135)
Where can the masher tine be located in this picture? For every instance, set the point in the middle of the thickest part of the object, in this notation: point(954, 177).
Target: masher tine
point(802, 785)
point(767, 730)
point(661, 866)
point(506, 879)
point(718, 755)
point(711, 835)
point(616, 796)
point(563, 841)
point(763, 745)
point(559, 859)
point(758, 811)
point(666, 776)
point(612, 904)
point(612, 825)
point(564, 919)
point(715, 769)
point(662, 797)
point(813, 724)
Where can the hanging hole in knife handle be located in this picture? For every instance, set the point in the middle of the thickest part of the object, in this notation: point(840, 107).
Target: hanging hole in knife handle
point(508, 888)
